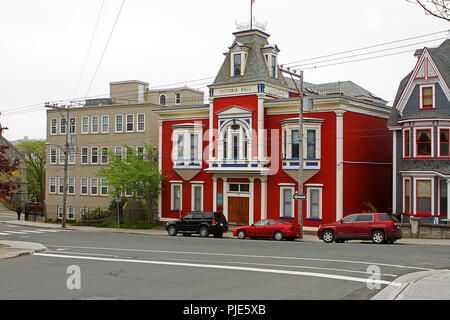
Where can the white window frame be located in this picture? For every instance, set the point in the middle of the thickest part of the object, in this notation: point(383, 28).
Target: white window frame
point(62, 156)
point(177, 98)
point(195, 184)
point(92, 155)
point(94, 185)
point(403, 142)
point(61, 185)
point(403, 194)
point(71, 155)
point(142, 122)
point(53, 126)
point(102, 149)
point(310, 188)
point(105, 130)
point(70, 211)
point(172, 198)
point(84, 185)
point(416, 179)
point(85, 125)
point(73, 128)
point(127, 122)
point(55, 155)
point(165, 99)
point(439, 141)
point(286, 140)
point(118, 122)
point(282, 188)
point(87, 155)
point(121, 151)
point(60, 212)
point(96, 123)
point(61, 125)
point(421, 87)
point(71, 185)
point(103, 185)
point(50, 185)
point(415, 141)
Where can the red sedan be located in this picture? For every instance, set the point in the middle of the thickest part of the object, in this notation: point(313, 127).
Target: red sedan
point(269, 228)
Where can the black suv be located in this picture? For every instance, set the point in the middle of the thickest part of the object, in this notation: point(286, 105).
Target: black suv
point(203, 223)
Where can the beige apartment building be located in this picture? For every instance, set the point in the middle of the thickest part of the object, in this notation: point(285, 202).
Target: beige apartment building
point(100, 126)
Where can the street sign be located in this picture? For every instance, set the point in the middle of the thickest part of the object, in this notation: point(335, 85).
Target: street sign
point(299, 196)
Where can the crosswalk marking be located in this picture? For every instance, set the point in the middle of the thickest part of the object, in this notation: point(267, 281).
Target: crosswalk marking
point(18, 232)
point(32, 231)
point(10, 232)
point(4, 234)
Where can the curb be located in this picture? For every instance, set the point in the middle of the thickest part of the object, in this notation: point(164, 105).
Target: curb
point(16, 249)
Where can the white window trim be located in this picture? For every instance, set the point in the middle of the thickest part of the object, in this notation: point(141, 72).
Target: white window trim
point(60, 126)
point(115, 123)
point(403, 142)
point(310, 188)
point(416, 179)
point(69, 185)
point(60, 212)
point(59, 185)
point(439, 141)
point(403, 194)
point(81, 155)
point(92, 125)
point(55, 126)
point(62, 156)
point(224, 154)
point(107, 155)
point(82, 125)
point(70, 210)
point(102, 186)
point(87, 186)
point(159, 99)
point(172, 198)
point(186, 133)
point(121, 152)
point(288, 128)
point(421, 87)
point(56, 156)
point(126, 123)
point(193, 185)
point(137, 122)
point(281, 214)
point(92, 153)
point(107, 129)
point(50, 185)
point(92, 185)
point(415, 141)
point(69, 156)
point(74, 125)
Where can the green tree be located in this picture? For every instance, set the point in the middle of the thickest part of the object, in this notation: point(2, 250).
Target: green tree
point(137, 173)
point(35, 163)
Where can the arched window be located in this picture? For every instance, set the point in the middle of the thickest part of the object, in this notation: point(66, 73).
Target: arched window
point(162, 100)
point(235, 142)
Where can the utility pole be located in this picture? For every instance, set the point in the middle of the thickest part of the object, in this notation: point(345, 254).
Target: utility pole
point(66, 157)
point(300, 143)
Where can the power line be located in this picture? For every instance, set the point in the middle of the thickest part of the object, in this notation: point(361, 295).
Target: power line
point(106, 46)
point(89, 49)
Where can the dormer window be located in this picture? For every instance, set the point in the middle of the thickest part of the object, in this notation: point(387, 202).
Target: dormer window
point(162, 100)
point(237, 64)
point(427, 100)
point(273, 70)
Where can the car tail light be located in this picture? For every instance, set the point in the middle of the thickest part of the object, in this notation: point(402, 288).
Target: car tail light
point(214, 222)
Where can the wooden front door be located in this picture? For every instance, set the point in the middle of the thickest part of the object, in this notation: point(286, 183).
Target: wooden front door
point(238, 209)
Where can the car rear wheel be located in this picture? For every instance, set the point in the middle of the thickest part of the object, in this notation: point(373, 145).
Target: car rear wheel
point(378, 237)
point(278, 235)
point(328, 236)
point(204, 231)
point(172, 231)
point(241, 234)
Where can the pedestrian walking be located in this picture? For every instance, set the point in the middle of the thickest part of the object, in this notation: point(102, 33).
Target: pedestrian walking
point(19, 211)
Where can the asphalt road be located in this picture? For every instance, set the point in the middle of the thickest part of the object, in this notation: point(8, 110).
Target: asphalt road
point(127, 266)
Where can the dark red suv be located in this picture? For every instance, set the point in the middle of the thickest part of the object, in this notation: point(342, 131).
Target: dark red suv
point(378, 227)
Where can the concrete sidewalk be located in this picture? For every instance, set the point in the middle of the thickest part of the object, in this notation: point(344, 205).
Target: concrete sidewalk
point(13, 249)
point(161, 231)
point(425, 285)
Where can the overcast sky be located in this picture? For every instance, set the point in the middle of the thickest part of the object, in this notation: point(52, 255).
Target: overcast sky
point(43, 45)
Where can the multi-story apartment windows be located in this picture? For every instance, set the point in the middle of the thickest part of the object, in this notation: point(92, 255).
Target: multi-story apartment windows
point(71, 186)
point(62, 125)
point(104, 155)
point(71, 153)
point(85, 125)
point(104, 187)
point(53, 155)
point(94, 186)
point(53, 126)
point(62, 156)
point(140, 122)
point(61, 185)
point(119, 123)
point(72, 125)
point(119, 152)
point(94, 155)
point(52, 185)
point(130, 122)
point(84, 186)
point(105, 124)
point(71, 213)
point(84, 155)
point(94, 124)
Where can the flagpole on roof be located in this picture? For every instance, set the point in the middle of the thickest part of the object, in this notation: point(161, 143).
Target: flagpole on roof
point(251, 14)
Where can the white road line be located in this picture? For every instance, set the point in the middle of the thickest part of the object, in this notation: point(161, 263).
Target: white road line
point(249, 256)
point(48, 230)
point(4, 234)
point(32, 231)
point(211, 266)
point(18, 232)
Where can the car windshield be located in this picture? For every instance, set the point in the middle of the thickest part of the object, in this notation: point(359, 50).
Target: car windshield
point(387, 217)
point(282, 222)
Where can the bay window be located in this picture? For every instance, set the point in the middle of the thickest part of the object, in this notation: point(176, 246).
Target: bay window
point(424, 142)
point(424, 196)
point(444, 143)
